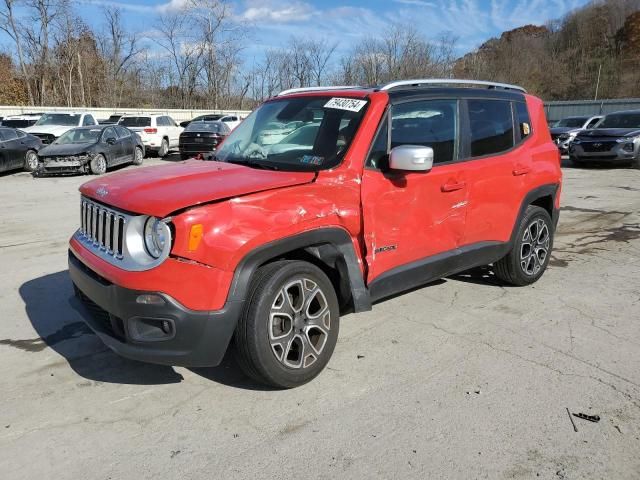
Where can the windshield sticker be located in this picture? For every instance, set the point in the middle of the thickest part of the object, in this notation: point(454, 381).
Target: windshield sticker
point(312, 160)
point(350, 104)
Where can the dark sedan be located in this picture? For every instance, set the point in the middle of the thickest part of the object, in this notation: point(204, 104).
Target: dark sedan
point(91, 150)
point(18, 150)
point(202, 137)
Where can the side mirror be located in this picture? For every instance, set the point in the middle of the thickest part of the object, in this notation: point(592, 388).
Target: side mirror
point(111, 140)
point(411, 157)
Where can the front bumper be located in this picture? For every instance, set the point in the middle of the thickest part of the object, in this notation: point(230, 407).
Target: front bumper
point(616, 154)
point(63, 165)
point(134, 330)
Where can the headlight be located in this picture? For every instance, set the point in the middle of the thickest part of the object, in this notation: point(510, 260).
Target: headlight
point(156, 236)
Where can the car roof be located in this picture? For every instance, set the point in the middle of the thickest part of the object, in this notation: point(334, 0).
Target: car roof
point(629, 112)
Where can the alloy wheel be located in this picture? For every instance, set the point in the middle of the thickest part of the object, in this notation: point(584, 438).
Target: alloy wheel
point(534, 247)
point(299, 323)
point(32, 160)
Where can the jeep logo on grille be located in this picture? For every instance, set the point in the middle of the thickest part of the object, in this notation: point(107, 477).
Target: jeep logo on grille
point(102, 192)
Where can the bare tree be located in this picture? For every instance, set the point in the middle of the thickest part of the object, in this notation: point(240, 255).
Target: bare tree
point(10, 25)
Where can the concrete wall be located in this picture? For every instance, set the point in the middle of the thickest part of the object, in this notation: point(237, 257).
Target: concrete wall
point(100, 113)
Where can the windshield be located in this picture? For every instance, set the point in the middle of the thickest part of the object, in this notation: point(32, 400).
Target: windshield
point(135, 121)
point(304, 134)
point(66, 119)
point(572, 122)
point(79, 135)
point(214, 127)
point(621, 120)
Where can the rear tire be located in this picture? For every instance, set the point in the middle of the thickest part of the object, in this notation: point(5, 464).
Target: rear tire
point(31, 161)
point(164, 148)
point(289, 328)
point(98, 165)
point(529, 257)
point(138, 156)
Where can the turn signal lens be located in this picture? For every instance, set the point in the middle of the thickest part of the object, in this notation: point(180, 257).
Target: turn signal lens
point(150, 299)
point(195, 236)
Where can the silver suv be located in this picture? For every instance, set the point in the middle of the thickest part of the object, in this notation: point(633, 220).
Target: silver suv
point(615, 140)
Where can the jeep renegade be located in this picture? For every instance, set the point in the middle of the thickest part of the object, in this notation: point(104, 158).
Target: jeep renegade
point(367, 192)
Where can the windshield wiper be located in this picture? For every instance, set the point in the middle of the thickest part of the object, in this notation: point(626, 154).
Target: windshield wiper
point(254, 164)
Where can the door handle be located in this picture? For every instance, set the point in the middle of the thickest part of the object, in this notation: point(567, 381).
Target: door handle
point(521, 171)
point(452, 187)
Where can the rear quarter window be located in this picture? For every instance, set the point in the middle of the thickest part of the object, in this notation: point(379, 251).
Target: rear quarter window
point(491, 126)
point(136, 121)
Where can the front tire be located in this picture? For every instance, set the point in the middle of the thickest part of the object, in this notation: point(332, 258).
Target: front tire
point(290, 325)
point(529, 257)
point(98, 165)
point(31, 161)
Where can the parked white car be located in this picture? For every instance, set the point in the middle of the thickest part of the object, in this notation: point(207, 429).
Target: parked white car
point(51, 125)
point(159, 133)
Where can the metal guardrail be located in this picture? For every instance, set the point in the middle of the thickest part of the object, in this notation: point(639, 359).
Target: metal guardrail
point(103, 113)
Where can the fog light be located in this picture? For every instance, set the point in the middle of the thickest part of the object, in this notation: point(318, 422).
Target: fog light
point(628, 147)
point(148, 299)
point(166, 327)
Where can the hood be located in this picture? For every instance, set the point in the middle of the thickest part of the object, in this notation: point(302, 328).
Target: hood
point(68, 149)
point(164, 189)
point(611, 132)
point(56, 130)
point(560, 130)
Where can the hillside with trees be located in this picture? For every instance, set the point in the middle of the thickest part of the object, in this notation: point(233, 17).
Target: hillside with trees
point(192, 57)
point(564, 59)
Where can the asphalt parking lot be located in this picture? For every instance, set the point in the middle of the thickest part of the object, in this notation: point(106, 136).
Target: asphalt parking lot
point(461, 379)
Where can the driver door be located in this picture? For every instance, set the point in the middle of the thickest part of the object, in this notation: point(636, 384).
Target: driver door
point(410, 217)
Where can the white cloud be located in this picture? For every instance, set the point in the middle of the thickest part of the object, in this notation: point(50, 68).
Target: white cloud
point(419, 3)
point(277, 11)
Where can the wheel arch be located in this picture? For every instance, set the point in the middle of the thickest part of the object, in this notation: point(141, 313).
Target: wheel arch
point(543, 196)
point(330, 249)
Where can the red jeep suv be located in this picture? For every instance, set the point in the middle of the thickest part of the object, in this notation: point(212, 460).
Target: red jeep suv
point(321, 202)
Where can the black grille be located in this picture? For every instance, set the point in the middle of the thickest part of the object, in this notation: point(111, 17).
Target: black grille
point(110, 324)
point(46, 138)
point(598, 146)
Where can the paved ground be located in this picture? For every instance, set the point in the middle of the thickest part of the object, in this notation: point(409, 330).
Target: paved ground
point(461, 379)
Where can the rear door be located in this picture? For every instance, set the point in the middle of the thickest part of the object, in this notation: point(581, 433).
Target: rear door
point(12, 150)
point(175, 130)
point(128, 143)
point(115, 150)
point(497, 168)
point(411, 216)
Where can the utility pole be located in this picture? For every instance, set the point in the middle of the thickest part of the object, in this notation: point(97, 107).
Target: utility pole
point(598, 82)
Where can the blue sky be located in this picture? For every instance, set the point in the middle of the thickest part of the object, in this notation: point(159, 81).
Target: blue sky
point(273, 22)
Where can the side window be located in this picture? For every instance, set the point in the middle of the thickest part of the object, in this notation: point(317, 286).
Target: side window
point(379, 156)
point(21, 134)
point(122, 132)
point(8, 134)
point(524, 122)
point(2, 135)
point(162, 122)
point(88, 120)
point(171, 122)
point(592, 123)
point(491, 124)
point(430, 123)
point(108, 133)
